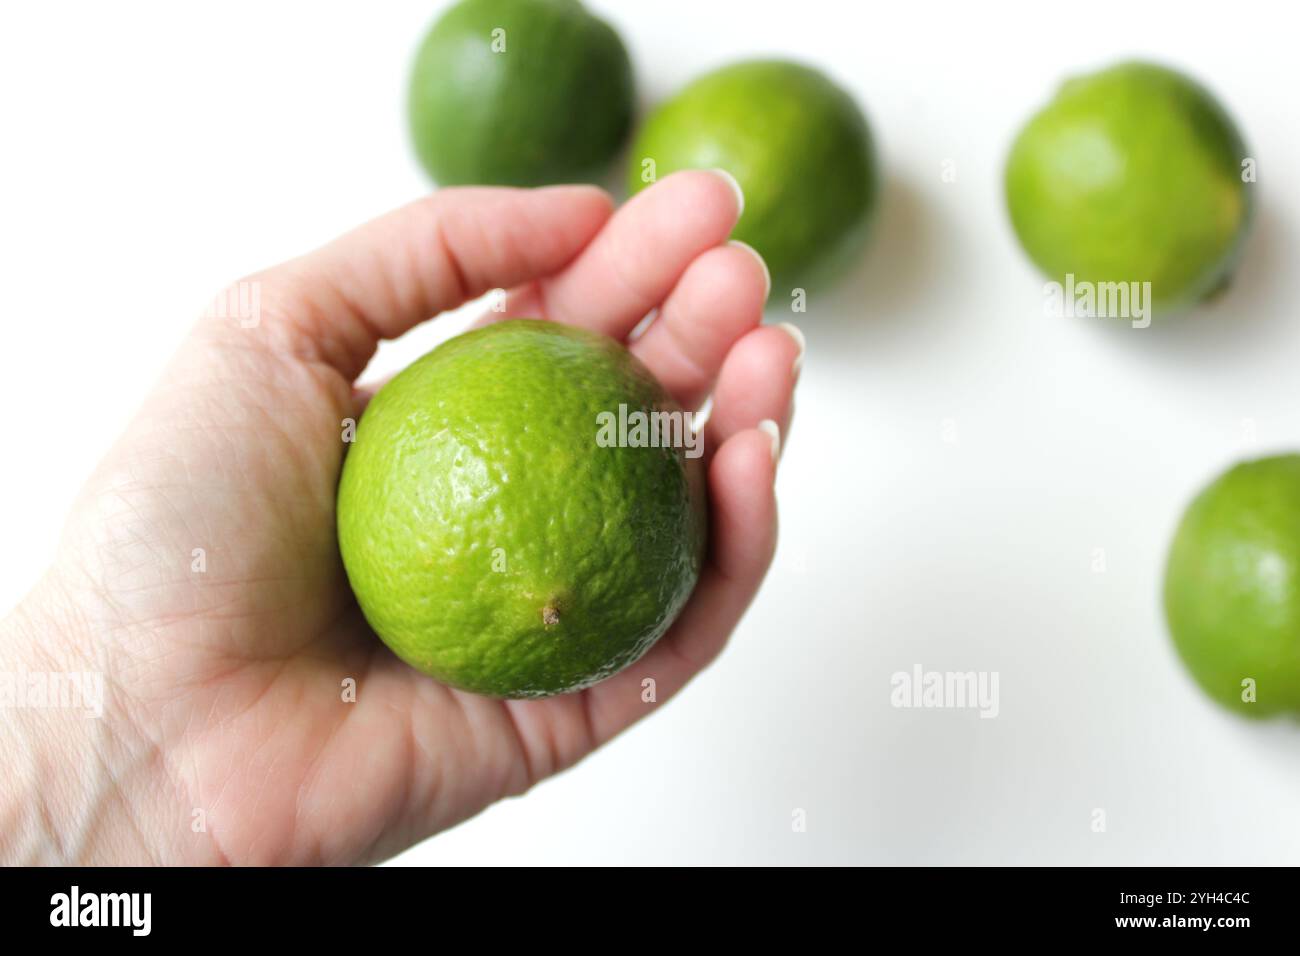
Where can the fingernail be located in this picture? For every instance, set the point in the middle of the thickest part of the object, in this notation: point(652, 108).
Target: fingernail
point(792, 330)
point(767, 274)
point(773, 431)
point(735, 188)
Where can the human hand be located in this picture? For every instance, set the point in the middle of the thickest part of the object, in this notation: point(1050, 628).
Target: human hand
point(225, 735)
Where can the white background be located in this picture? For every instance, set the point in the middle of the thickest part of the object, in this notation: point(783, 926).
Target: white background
point(154, 151)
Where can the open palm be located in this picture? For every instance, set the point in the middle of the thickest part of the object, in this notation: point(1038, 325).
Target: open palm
point(251, 716)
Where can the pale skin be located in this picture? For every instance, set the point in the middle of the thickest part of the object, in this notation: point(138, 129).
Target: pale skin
point(225, 735)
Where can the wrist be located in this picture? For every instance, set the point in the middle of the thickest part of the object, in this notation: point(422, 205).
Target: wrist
point(80, 785)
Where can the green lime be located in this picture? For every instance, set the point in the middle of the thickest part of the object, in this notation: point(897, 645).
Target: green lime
point(1232, 587)
point(1133, 174)
point(498, 534)
point(797, 144)
point(520, 93)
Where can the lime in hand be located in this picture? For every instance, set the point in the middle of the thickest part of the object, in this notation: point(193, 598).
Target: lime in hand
point(800, 149)
point(1132, 175)
point(520, 93)
point(1232, 587)
point(500, 533)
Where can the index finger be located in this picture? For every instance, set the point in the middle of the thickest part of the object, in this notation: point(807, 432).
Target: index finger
point(394, 272)
point(636, 260)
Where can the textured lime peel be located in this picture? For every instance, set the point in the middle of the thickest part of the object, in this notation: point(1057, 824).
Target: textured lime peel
point(1133, 174)
point(1232, 587)
point(491, 542)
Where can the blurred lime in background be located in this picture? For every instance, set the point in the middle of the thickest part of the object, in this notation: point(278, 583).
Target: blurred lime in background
point(800, 149)
point(520, 93)
point(1232, 587)
point(1133, 174)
